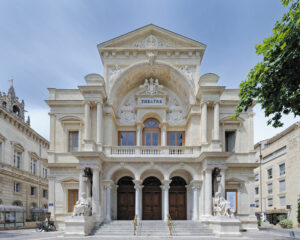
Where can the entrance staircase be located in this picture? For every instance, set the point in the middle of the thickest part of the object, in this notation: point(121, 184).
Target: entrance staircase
point(153, 228)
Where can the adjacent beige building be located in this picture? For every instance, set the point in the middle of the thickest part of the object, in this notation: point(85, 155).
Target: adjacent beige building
point(280, 175)
point(23, 158)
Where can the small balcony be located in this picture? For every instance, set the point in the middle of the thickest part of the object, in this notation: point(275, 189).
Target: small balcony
point(152, 151)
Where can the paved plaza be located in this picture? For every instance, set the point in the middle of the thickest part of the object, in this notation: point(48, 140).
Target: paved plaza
point(31, 234)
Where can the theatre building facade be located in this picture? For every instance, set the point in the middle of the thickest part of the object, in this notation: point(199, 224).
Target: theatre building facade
point(150, 137)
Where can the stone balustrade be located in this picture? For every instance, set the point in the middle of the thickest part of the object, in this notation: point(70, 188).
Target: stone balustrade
point(152, 150)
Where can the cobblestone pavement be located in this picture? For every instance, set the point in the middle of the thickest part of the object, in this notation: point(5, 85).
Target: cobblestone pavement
point(31, 234)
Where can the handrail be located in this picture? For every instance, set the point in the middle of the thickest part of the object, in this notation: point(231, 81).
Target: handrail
point(170, 224)
point(134, 224)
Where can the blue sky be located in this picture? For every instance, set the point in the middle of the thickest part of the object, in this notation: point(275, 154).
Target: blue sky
point(52, 44)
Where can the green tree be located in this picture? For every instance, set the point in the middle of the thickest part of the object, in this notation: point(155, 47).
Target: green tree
point(275, 82)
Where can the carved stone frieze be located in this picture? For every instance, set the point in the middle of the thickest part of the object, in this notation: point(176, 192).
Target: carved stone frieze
point(151, 41)
point(188, 72)
point(114, 72)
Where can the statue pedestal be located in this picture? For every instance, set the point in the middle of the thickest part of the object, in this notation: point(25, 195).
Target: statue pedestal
point(79, 225)
point(225, 226)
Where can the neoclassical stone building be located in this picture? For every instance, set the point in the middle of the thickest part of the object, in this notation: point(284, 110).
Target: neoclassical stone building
point(23, 158)
point(150, 137)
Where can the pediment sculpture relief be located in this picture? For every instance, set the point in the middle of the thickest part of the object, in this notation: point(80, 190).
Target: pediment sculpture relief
point(188, 72)
point(151, 41)
point(114, 71)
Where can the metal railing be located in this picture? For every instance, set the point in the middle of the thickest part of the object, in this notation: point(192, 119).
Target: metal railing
point(170, 224)
point(135, 221)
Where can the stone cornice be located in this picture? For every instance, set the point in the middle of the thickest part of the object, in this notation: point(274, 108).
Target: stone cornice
point(23, 127)
point(8, 170)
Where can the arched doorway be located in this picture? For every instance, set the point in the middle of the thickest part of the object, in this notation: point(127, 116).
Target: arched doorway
point(177, 199)
point(151, 132)
point(125, 199)
point(151, 199)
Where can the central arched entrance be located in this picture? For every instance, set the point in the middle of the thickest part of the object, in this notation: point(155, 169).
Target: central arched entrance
point(151, 199)
point(177, 199)
point(126, 199)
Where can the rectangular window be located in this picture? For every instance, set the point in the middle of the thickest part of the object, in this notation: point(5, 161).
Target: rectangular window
point(45, 193)
point(73, 141)
point(17, 187)
point(256, 177)
point(32, 191)
point(17, 159)
point(229, 141)
point(231, 196)
point(175, 139)
point(270, 202)
point(45, 173)
point(282, 186)
point(257, 203)
point(33, 166)
point(270, 188)
point(256, 190)
point(127, 138)
point(282, 169)
point(270, 173)
point(282, 201)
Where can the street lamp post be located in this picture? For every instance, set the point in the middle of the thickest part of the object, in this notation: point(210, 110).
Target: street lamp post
point(260, 181)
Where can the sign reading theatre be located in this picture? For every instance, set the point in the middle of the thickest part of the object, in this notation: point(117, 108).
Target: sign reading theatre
point(151, 101)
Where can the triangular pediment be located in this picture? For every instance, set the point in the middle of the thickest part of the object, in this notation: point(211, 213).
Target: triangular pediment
point(151, 37)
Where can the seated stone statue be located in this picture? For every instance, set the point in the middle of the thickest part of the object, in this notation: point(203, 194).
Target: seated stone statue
point(83, 206)
point(221, 207)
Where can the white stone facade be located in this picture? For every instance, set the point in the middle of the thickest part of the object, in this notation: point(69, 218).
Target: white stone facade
point(150, 73)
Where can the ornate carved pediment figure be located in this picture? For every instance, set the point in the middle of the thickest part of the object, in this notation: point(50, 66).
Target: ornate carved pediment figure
point(151, 41)
point(151, 87)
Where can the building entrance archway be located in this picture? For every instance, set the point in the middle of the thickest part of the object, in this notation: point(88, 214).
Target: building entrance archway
point(125, 199)
point(151, 199)
point(177, 199)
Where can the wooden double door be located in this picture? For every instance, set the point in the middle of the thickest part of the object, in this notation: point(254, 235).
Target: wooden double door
point(152, 199)
point(177, 199)
point(126, 199)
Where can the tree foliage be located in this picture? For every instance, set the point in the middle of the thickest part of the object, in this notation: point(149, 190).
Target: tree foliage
point(275, 82)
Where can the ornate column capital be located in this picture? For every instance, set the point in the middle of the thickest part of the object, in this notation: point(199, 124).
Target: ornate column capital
point(138, 184)
point(196, 184)
point(165, 184)
point(108, 184)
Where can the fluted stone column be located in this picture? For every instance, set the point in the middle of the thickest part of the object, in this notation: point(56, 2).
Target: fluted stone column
point(138, 188)
point(165, 188)
point(108, 186)
point(164, 135)
point(87, 119)
point(96, 192)
point(222, 183)
point(99, 123)
point(138, 135)
point(204, 122)
point(82, 183)
point(208, 192)
point(195, 189)
point(216, 121)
